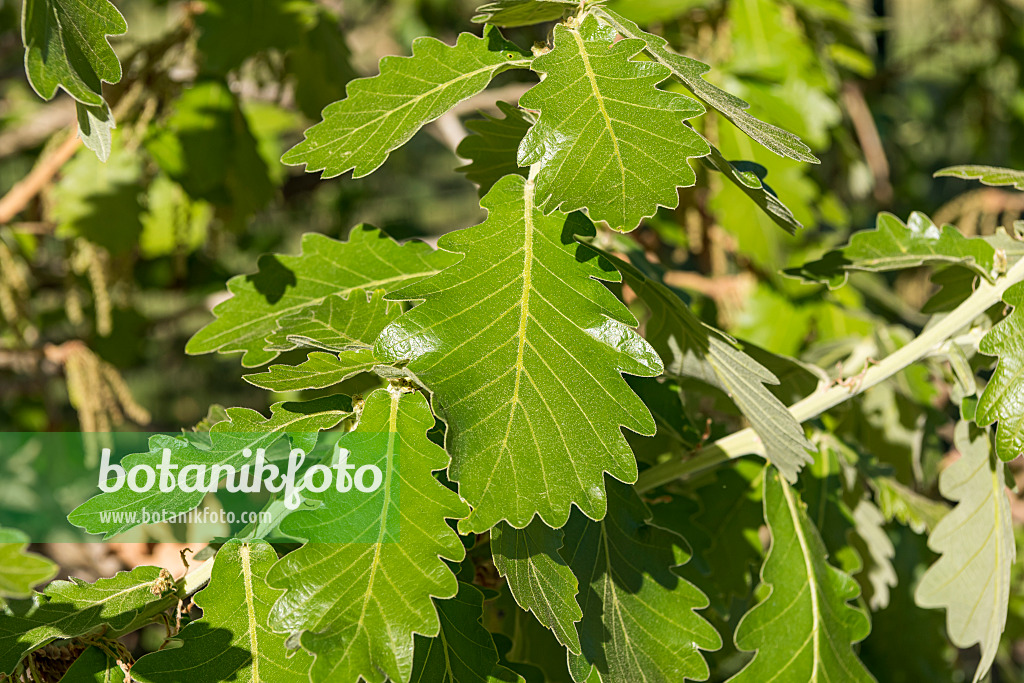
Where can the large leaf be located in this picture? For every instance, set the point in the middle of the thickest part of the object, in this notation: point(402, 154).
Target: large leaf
point(523, 12)
point(690, 73)
point(68, 609)
point(66, 46)
point(232, 641)
point(895, 245)
point(538, 577)
point(971, 580)
point(987, 175)
point(319, 371)
point(523, 350)
point(638, 614)
point(381, 113)
point(20, 571)
point(804, 629)
point(357, 605)
point(463, 651)
point(1003, 398)
point(285, 285)
point(118, 511)
point(690, 348)
point(336, 324)
point(607, 138)
point(493, 147)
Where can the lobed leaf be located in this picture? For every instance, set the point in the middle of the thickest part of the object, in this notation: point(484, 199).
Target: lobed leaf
point(513, 13)
point(540, 580)
point(988, 175)
point(638, 614)
point(319, 371)
point(232, 641)
point(463, 651)
point(335, 324)
point(1002, 400)
point(20, 571)
point(607, 139)
point(690, 73)
point(357, 605)
point(285, 285)
point(524, 350)
point(971, 580)
point(493, 146)
point(749, 177)
point(805, 628)
point(381, 113)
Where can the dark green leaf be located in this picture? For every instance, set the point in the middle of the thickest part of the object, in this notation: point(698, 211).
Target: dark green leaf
point(493, 147)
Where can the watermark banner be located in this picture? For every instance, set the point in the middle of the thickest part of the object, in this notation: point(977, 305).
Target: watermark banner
point(69, 487)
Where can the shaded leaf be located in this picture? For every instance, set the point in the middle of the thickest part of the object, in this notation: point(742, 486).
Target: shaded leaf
point(607, 139)
point(523, 349)
point(20, 571)
point(263, 23)
point(804, 629)
point(690, 73)
point(232, 640)
point(988, 175)
point(896, 501)
point(1002, 400)
point(493, 146)
point(95, 127)
point(94, 665)
point(876, 551)
point(538, 577)
point(971, 580)
point(285, 285)
point(638, 614)
point(319, 371)
point(356, 606)
point(381, 113)
point(523, 12)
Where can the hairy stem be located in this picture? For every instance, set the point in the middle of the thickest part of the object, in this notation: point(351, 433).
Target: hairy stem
point(746, 441)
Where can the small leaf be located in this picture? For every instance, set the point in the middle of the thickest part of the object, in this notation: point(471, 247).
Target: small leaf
point(805, 628)
point(285, 285)
point(94, 665)
point(319, 371)
point(538, 577)
point(893, 245)
point(607, 139)
point(381, 113)
point(20, 571)
point(988, 175)
point(877, 552)
point(68, 609)
point(463, 651)
point(66, 46)
point(336, 324)
point(513, 13)
point(690, 73)
point(1003, 398)
point(244, 429)
point(896, 501)
point(493, 146)
point(356, 606)
point(749, 177)
point(971, 580)
point(524, 350)
point(232, 640)
point(638, 614)
point(95, 127)
point(690, 348)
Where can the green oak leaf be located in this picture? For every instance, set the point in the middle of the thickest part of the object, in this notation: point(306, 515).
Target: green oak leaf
point(20, 571)
point(905, 505)
point(1002, 400)
point(971, 579)
point(987, 175)
point(265, 24)
point(607, 139)
point(67, 609)
point(337, 323)
point(66, 46)
point(244, 429)
point(493, 146)
point(895, 245)
point(638, 614)
point(319, 371)
point(232, 640)
point(749, 177)
point(381, 113)
point(524, 349)
point(511, 13)
point(463, 651)
point(690, 348)
point(804, 629)
point(538, 577)
point(690, 73)
point(95, 127)
point(357, 605)
point(285, 285)
point(94, 665)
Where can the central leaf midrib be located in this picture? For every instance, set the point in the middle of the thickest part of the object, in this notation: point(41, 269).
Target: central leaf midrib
point(812, 582)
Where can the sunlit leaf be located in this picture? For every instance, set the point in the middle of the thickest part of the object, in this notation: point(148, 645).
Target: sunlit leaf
point(1002, 400)
point(987, 175)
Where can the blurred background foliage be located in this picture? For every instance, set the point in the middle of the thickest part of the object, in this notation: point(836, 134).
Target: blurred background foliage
point(108, 268)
